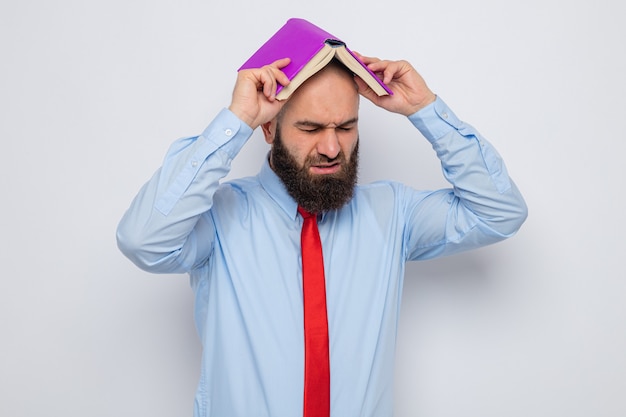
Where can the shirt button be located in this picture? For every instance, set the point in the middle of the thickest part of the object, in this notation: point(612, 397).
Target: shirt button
point(194, 163)
point(228, 132)
point(444, 115)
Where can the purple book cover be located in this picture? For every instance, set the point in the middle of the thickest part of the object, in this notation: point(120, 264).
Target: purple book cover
point(299, 40)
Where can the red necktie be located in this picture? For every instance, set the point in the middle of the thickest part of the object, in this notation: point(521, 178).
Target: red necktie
point(316, 356)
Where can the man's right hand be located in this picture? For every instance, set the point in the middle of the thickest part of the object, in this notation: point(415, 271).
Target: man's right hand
point(254, 96)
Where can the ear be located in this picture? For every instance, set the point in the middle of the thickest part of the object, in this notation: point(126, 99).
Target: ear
point(269, 130)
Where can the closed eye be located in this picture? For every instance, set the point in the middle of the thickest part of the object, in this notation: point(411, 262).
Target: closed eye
point(313, 127)
point(310, 129)
point(348, 125)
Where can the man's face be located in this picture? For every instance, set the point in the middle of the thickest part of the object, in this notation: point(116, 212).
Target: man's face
point(315, 141)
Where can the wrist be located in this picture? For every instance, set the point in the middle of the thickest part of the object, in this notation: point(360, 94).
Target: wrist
point(243, 116)
point(429, 99)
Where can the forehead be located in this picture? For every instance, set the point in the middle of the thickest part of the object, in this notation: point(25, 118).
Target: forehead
point(331, 96)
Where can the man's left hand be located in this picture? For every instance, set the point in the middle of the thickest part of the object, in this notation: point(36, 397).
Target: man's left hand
point(410, 92)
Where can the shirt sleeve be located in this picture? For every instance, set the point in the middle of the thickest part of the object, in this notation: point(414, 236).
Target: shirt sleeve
point(482, 207)
point(158, 231)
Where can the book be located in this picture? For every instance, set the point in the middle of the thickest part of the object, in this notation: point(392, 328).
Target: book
point(310, 49)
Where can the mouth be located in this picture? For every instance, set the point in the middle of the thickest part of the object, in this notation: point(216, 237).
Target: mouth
point(325, 169)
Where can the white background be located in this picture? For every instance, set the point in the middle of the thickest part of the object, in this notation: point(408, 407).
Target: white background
point(93, 92)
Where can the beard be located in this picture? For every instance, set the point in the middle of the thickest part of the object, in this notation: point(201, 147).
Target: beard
point(315, 193)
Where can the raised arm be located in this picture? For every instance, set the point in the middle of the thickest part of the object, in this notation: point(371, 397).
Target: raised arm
point(158, 231)
point(483, 206)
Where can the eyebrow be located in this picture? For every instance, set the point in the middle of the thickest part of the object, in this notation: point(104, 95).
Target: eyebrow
point(310, 123)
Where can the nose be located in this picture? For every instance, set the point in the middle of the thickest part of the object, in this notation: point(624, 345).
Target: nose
point(328, 144)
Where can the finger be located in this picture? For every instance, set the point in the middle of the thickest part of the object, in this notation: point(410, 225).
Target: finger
point(388, 70)
point(271, 75)
point(363, 88)
point(281, 63)
point(281, 77)
point(379, 65)
point(390, 73)
point(367, 92)
point(268, 81)
point(366, 59)
point(276, 68)
point(380, 68)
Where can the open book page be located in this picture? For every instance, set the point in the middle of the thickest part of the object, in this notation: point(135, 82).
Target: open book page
point(357, 67)
point(334, 49)
point(319, 61)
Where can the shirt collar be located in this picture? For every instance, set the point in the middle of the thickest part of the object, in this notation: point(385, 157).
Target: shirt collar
point(276, 190)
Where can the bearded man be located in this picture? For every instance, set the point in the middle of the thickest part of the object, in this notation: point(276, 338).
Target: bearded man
point(240, 241)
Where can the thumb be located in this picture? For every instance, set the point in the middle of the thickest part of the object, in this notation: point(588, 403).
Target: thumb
point(365, 90)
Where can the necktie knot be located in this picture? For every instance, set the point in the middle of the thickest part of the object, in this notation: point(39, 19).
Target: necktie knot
point(305, 214)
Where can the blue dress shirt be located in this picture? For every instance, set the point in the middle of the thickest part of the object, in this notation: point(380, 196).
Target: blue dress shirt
point(240, 243)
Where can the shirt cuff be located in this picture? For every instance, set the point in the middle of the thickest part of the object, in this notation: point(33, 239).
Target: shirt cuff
point(436, 120)
point(227, 132)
